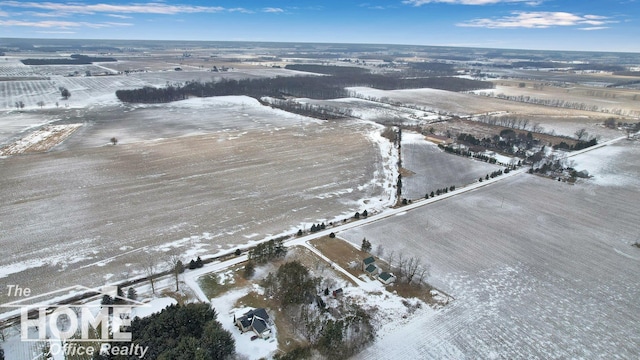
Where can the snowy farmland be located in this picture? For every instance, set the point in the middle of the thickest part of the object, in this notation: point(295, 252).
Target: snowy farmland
point(432, 169)
point(85, 212)
point(538, 268)
point(559, 120)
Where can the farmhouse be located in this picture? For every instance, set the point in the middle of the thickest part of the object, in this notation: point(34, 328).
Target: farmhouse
point(256, 320)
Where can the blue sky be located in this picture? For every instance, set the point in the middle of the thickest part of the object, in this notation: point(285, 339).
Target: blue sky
point(601, 25)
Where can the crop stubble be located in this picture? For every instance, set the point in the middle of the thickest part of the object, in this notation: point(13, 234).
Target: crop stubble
point(103, 205)
point(539, 269)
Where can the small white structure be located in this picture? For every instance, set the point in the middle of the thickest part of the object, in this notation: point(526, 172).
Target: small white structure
point(386, 278)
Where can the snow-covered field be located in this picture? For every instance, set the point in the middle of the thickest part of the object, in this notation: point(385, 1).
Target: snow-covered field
point(538, 269)
point(40, 140)
point(87, 212)
point(433, 169)
point(561, 121)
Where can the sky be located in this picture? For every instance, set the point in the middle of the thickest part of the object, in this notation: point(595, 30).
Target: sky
point(591, 25)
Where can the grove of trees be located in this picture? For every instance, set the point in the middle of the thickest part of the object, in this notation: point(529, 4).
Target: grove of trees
point(190, 331)
point(315, 87)
point(336, 334)
point(267, 251)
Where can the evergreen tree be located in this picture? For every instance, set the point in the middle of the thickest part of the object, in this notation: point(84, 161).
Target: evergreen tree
point(132, 294)
point(294, 284)
point(65, 93)
point(330, 343)
point(106, 300)
point(249, 270)
point(189, 331)
point(366, 245)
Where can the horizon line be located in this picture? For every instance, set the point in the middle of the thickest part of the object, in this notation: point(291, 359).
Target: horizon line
point(323, 43)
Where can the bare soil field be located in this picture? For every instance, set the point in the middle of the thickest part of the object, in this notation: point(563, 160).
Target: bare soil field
point(561, 121)
point(41, 140)
point(87, 215)
point(538, 268)
point(604, 98)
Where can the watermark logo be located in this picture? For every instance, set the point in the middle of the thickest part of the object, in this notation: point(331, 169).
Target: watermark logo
point(81, 329)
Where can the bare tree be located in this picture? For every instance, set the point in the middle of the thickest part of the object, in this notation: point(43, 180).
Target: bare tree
point(537, 128)
point(422, 274)
point(391, 258)
point(40, 103)
point(19, 105)
point(379, 250)
point(581, 134)
point(114, 141)
point(149, 264)
point(174, 261)
point(411, 268)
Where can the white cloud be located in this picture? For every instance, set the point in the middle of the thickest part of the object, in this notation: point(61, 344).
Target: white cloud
point(240, 10)
point(141, 8)
point(537, 20)
point(56, 32)
point(273, 10)
point(594, 28)
point(3, 14)
point(60, 24)
point(119, 16)
point(469, 2)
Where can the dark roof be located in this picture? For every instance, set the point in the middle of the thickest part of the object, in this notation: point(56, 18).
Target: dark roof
point(371, 268)
point(245, 322)
point(369, 260)
point(259, 325)
point(385, 276)
point(260, 312)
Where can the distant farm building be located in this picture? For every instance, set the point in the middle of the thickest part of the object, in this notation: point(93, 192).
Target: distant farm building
point(437, 139)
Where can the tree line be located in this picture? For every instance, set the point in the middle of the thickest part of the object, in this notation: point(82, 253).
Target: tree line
point(315, 87)
point(563, 104)
point(74, 60)
point(267, 251)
